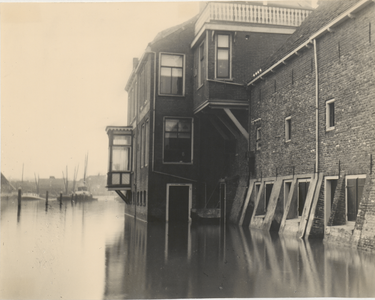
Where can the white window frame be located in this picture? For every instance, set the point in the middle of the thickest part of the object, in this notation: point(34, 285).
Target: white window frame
point(183, 74)
point(288, 129)
point(230, 56)
point(362, 176)
point(327, 197)
point(258, 138)
point(328, 115)
point(192, 141)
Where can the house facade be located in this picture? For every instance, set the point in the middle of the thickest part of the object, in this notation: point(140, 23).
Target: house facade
point(258, 112)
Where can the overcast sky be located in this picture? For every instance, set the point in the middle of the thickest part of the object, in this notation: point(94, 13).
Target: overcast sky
point(64, 67)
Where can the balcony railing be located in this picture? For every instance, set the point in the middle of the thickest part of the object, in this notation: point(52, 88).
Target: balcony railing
point(246, 13)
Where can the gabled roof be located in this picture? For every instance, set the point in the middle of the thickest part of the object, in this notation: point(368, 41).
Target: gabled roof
point(318, 19)
point(165, 33)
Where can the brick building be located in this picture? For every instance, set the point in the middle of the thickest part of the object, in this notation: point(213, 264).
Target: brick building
point(312, 130)
point(186, 140)
point(252, 112)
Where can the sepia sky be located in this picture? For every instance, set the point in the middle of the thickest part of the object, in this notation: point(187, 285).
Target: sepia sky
point(64, 68)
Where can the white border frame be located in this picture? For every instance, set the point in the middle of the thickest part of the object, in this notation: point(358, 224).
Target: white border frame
point(183, 74)
point(298, 182)
point(230, 55)
point(328, 127)
point(190, 199)
point(327, 208)
point(288, 137)
point(192, 141)
point(346, 194)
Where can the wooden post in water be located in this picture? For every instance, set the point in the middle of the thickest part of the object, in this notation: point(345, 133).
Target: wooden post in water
point(60, 198)
point(46, 198)
point(19, 196)
point(19, 204)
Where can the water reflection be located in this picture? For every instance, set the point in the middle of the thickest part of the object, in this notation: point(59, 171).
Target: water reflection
point(179, 261)
point(92, 251)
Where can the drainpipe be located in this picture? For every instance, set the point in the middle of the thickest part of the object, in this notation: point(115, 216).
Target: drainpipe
point(316, 108)
point(153, 128)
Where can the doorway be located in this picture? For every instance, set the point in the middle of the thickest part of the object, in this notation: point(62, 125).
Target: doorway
point(303, 188)
point(354, 189)
point(330, 188)
point(179, 198)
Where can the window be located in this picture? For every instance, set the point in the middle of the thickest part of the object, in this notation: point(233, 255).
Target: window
point(223, 42)
point(178, 140)
point(171, 74)
point(258, 138)
point(288, 129)
point(201, 66)
point(330, 115)
point(121, 151)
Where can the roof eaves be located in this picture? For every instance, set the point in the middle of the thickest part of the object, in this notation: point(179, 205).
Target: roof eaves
point(327, 28)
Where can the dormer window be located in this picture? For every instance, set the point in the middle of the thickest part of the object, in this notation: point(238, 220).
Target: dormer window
point(223, 56)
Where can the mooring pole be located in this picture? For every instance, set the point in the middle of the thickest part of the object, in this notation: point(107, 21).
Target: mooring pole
point(60, 199)
point(19, 204)
point(19, 197)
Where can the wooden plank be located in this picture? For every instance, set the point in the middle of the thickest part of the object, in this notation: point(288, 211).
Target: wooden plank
point(307, 207)
point(287, 207)
point(272, 204)
point(252, 221)
point(237, 123)
point(313, 206)
point(247, 201)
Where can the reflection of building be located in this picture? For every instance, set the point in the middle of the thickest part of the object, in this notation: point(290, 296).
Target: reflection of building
point(288, 132)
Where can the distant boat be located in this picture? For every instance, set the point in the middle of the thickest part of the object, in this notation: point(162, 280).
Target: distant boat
point(31, 196)
point(83, 193)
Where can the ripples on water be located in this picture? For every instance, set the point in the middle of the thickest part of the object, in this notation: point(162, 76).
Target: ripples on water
point(92, 251)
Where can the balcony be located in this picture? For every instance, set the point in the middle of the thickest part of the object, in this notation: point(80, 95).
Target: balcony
point(247, 13)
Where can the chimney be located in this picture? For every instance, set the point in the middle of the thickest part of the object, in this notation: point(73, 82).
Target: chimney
point(135, 63)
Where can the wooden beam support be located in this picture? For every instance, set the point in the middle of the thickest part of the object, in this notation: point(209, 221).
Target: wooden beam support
point(217, 127)
point(228, 126)
point(237, 123)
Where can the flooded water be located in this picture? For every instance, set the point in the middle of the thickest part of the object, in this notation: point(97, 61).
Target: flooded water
point(93, 251)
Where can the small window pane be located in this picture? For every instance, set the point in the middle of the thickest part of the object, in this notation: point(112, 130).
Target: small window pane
point(184, 125)
point(121, 140)
point(222, 63)
point(223, 41)
point(120, 159)
point(184, 135)
point(171, 60)
point(171, 125)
